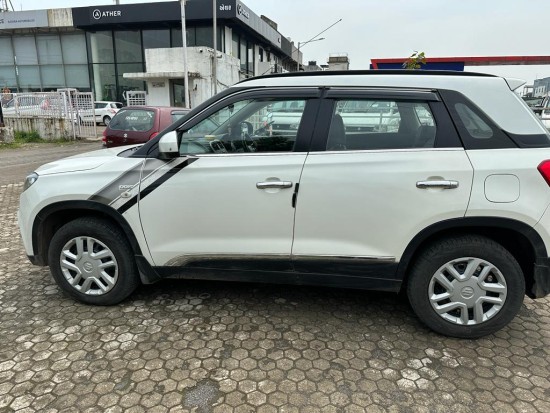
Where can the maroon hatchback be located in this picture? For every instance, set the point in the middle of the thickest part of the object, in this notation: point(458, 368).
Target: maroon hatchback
point(138, 124)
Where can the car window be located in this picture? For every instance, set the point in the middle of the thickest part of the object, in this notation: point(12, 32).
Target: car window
point(140, 120)
point(177, 115)
point(252, 125)
point(363, 124)
point(475, 126)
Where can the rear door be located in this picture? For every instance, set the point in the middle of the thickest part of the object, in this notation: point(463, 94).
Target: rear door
point(365, 192)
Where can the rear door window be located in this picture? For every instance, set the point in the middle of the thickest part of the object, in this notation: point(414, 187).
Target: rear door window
point(366, 124)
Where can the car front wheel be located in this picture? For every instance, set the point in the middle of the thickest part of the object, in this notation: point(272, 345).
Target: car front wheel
point(467, 286)
point(91, 261)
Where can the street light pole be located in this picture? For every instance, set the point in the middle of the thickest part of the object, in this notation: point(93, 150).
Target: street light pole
point(303, 44)
point(215, 35)
point(314, 38)
point(185, 69)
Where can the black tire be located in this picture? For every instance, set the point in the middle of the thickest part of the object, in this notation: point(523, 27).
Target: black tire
point(120, 270)
point(422, 283)
point(106, 120)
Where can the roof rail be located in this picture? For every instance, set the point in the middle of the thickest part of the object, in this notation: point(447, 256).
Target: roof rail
point(371, 72)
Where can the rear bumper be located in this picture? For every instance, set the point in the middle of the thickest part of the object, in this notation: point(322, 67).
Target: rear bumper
point(541, 279)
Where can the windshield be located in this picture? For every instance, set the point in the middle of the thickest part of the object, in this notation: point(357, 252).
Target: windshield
point(140, 120)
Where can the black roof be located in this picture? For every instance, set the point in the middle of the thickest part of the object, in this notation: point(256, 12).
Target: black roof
point(407, 72)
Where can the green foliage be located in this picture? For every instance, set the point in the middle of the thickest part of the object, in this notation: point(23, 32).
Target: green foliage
point(21, 138)
point(27, 137)
point(415, 61)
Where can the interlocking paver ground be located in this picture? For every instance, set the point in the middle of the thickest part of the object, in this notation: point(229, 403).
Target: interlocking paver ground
point(213, 347)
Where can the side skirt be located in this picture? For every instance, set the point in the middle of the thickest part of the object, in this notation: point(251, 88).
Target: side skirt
point(379, 283)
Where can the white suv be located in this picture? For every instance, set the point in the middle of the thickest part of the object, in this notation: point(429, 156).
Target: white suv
point(450, 204)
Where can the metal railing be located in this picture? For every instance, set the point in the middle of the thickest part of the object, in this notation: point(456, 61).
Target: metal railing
point(136, 98)
point(77, 107)
point(43, 104)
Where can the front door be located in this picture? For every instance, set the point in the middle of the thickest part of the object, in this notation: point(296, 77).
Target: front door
point(229, 196)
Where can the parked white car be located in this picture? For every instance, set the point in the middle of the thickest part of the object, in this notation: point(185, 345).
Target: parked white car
point(103, 112)
point(450, 203)
point(23, 106)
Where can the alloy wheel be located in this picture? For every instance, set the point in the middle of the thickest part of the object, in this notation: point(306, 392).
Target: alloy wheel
point(89, 266)
point(467, 291)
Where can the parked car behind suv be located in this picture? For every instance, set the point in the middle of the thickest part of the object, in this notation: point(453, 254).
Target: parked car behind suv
point(23, 106)
point(138, 124)
point(104, 112)
point(449, 202)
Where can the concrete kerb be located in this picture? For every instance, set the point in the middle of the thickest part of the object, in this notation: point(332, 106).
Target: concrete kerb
point(6, 134)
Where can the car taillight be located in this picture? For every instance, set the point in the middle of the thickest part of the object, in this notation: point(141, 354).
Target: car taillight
point(544, 169)
point(104, 139)
point(112, 111)
point(153, 135)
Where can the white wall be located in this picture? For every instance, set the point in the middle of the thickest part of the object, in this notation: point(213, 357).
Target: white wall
point(164, 61)
point(158, 95)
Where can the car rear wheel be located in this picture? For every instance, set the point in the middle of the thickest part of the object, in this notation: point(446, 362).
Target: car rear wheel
point(106, 120)
point(92, 261)
point(466, 287)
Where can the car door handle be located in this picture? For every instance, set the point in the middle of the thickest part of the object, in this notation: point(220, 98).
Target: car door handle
point(437, 184)
point(273, 184)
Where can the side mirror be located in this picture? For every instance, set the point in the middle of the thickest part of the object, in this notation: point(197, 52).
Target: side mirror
point(168, 145)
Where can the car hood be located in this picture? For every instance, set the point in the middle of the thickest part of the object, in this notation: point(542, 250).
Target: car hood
point(82, 162)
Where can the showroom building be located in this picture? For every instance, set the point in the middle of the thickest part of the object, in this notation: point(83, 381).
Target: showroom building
point(92, 48)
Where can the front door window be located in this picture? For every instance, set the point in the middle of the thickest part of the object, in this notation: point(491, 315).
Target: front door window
point(251, 125)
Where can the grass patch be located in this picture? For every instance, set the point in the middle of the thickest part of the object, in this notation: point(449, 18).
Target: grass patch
point(27, 137)
point(21, 138)
point(10, 145)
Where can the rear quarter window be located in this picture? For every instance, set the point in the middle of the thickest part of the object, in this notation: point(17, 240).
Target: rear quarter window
point(476, 129)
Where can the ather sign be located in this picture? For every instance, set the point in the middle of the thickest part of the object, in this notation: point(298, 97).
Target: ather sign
point(98, 14)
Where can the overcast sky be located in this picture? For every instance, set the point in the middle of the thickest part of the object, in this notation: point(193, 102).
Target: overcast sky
point(395, 28)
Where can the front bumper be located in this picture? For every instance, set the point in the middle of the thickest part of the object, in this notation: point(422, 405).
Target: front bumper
point(36, 260)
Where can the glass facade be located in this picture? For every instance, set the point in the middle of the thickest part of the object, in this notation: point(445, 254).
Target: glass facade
point(97, 60)
point(44, 62)
point(113, 53)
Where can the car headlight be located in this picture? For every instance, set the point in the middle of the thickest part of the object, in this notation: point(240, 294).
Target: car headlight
point(29, 180)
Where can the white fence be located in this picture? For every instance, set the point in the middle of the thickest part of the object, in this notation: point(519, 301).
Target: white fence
point(76, 107)
point(136, 98)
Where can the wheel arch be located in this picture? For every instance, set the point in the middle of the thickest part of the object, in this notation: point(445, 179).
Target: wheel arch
point(521, 240)
point(55, 215)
